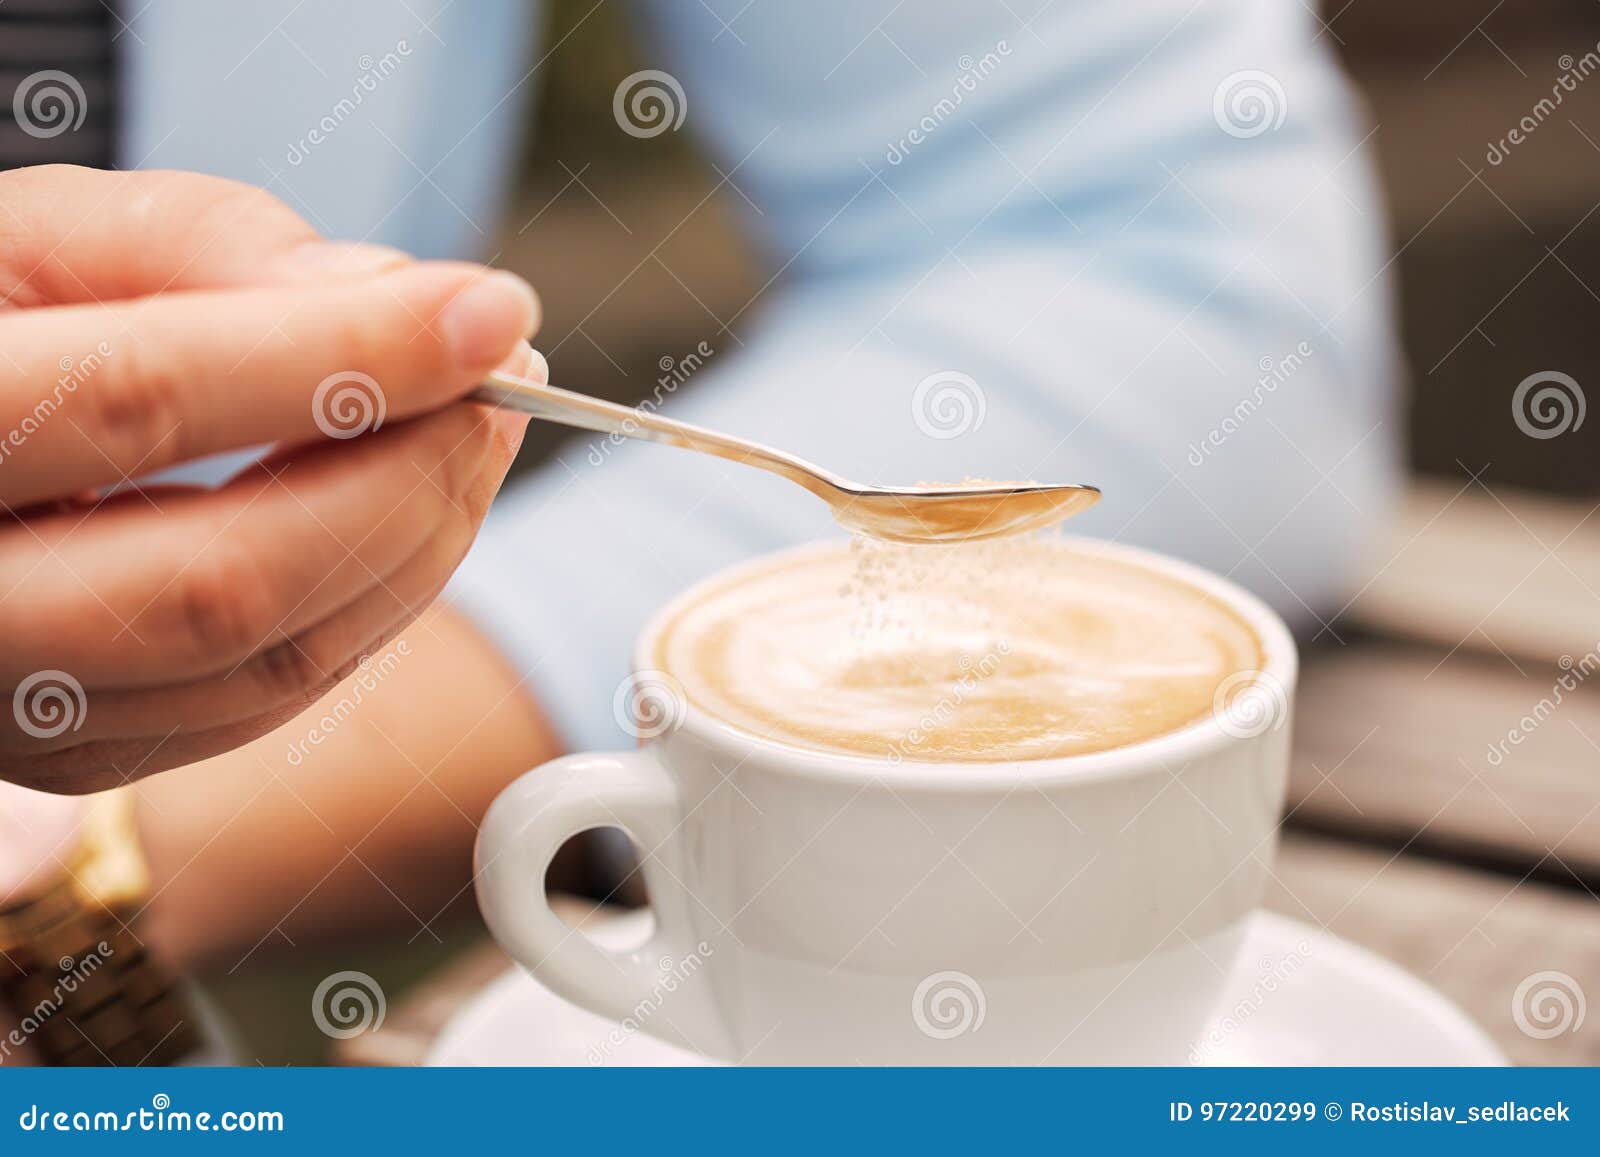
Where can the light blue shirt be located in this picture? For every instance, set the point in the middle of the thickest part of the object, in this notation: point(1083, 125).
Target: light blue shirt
point(1135, 244)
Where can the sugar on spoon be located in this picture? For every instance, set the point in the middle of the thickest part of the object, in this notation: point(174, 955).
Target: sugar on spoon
point(960, 512)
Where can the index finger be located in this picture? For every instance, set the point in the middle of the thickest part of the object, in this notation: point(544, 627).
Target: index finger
point(98, 394)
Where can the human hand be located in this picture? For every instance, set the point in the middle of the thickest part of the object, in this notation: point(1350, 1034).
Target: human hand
point(151, 318)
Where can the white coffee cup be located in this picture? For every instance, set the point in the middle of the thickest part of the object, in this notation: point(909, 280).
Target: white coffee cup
point(822, 908)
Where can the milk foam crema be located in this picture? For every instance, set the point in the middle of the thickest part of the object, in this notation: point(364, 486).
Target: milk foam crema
point(1001, 651)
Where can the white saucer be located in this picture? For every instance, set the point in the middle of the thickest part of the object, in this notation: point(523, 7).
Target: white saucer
point(1299, 996)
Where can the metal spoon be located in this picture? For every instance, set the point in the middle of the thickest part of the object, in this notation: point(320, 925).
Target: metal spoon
point(962, 512)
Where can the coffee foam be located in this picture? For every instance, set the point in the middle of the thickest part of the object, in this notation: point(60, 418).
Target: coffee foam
point(1016, 649)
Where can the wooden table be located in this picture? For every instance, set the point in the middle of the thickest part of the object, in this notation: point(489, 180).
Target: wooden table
point(1409, 830)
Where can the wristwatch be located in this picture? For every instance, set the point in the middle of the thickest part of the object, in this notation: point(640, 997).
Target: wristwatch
point(79, 984)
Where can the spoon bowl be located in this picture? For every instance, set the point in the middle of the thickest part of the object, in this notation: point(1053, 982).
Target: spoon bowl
point(960, 512)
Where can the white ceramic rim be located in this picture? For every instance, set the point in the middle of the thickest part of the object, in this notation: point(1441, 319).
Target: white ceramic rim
point(1173, 750)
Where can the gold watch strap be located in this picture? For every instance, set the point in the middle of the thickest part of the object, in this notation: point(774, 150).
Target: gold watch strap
point(86, 992)
point(80, 985)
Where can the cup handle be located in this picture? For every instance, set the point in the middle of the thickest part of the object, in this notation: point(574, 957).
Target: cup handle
point(521, 834)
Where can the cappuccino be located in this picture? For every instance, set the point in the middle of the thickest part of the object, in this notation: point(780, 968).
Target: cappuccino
point(1014, 650)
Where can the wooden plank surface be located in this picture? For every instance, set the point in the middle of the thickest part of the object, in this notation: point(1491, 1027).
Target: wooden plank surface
point(1496, 571)
point(415, 1022)
point(1474, 935)
point(1471, 754)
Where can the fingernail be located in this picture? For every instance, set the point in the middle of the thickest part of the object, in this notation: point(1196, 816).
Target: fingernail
point(526, 362)
point(538, 369)
point(518, 360)
point(336, 261)
point(484, 321)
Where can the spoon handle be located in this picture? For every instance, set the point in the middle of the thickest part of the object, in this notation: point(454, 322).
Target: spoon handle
point(553, 404)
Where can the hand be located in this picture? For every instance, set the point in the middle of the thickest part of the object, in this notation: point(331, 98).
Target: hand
point(151, 318)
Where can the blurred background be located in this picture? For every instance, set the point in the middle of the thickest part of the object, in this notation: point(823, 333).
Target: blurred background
point(1489, 591)
point(1495, 262)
